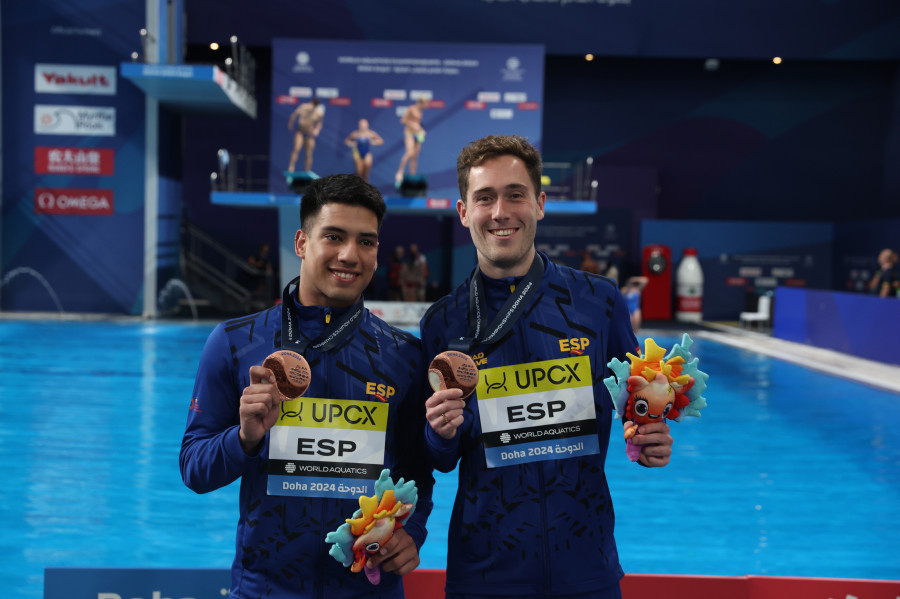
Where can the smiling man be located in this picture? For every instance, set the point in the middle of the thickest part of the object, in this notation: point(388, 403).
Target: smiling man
point(533, 515)
point(501, 211)
point(339, 247)
point(359, 365)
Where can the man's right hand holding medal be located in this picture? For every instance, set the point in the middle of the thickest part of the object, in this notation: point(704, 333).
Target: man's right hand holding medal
point(259, 408)
point(453, 376)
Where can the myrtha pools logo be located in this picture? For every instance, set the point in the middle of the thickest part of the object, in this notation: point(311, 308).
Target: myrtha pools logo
point(74, 120)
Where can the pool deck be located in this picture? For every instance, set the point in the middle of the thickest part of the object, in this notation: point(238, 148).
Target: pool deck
point(860, 370)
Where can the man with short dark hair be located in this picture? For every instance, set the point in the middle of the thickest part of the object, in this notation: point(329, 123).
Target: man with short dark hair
point(366, 375)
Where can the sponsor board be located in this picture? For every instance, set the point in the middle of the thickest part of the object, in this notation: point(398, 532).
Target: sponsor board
point(55, 160)
point(68, 201)
point(51, 119)
point(74, 79)
point(135, 583)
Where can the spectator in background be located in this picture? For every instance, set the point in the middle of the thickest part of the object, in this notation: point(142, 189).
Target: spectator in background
point(588, 264)
point(395, 275)
point(632, 290)
point(260, 281)
point(415, 275)
point(613, 273)
point(886, 282)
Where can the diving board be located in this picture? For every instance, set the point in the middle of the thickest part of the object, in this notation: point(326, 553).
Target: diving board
point(191, 88)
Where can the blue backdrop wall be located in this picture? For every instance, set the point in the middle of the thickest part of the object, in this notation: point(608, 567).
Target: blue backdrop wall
point(73, 159)
point(816, 138)
point(696, 28)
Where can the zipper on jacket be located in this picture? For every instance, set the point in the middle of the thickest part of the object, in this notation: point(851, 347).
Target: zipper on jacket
point(548, 582)
point(548, 576)
point(321, 565)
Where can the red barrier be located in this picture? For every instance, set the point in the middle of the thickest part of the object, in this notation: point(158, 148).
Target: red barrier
point(427, 584)
point(424, 584)
point(774, 587)
point(635, 586)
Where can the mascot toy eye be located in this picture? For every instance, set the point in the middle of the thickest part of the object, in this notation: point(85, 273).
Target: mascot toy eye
point(656, 386)
point(373, 524)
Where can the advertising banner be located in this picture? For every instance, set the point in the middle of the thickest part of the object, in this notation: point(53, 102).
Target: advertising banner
point(73, 201)
point(134, 583)
point(468, 91)
point(75, 79)
point(57, 160)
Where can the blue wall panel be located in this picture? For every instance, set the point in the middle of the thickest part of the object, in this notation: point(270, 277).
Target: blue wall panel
point(860, 325)
point(55, 55)
point(699, 28)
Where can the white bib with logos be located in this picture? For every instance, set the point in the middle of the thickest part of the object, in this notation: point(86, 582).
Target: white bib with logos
point(327, 448)
point(537, 411)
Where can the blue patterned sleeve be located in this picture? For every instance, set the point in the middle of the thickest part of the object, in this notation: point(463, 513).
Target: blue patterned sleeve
point(211, 455)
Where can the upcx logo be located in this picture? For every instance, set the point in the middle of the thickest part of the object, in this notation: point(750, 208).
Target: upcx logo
point(534, 377)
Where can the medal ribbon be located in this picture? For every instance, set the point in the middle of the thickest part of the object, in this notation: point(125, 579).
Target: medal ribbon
point(509, 313)
point(332, 336)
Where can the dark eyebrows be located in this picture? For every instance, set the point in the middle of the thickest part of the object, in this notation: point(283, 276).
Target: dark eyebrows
point(506, 188)
point(340, 231)
point(332, 229)
point(517, 187)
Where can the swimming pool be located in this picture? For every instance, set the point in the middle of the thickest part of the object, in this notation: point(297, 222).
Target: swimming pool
point(789, 472)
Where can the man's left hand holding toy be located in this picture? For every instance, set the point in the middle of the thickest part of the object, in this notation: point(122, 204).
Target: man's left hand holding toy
point(399, 555)
point(655, 442)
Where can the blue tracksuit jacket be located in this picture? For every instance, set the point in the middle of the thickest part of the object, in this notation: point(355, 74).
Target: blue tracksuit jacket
point(280, 548)
point(538, 528)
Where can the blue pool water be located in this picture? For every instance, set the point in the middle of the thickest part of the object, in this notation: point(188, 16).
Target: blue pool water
point(788, 472)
